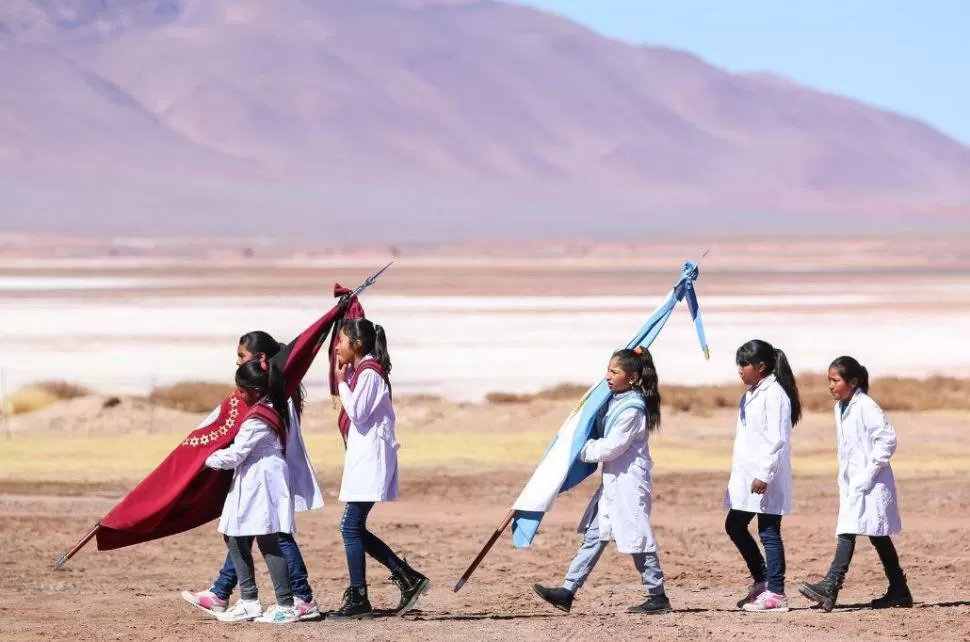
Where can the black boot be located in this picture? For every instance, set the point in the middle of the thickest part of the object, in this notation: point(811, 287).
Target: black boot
point(559, 597)
point(825, 592)
point(411, 584)
point(897, 597)
point(655, 605)
point(356, 606)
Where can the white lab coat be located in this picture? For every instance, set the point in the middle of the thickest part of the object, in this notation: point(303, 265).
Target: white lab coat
point(622, 503)
point(370, 463)
point(259, 501)
point(867, 487)
point(762, 450)
point(303, 480)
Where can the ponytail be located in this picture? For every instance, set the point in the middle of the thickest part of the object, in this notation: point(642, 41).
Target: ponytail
point(640, 361)
point(270, 384)
point(757, 351)
point(851, 370)
point(786, 379)
point(259, 342)
point(380, 349)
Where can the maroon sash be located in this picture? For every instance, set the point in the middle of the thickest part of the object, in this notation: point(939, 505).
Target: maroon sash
point(343, 421)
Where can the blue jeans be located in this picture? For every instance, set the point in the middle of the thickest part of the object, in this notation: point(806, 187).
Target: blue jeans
point(771, 567)
point(358, 540)
point(228, 579)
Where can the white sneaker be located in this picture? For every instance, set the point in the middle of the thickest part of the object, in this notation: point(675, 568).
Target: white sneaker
point(279, 615)
point(756, 589)
point(768, 602)
point(241, 611)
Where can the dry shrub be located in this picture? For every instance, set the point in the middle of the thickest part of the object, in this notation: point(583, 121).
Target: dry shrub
point(892, 393)
point(28, 399)
point(507, 397)
point(190, 396)
point(568, 391)
point(39, 395)
point(63, 389)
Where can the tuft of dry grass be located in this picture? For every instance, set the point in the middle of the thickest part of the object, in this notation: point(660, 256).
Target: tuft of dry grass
point(892, 393)
point(190, 396)
point(40, 395)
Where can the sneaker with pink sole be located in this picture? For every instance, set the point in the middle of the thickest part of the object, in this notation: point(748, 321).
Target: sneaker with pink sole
point(307, 610)
point(768, 602)
point(756, 589)
point(205, 600)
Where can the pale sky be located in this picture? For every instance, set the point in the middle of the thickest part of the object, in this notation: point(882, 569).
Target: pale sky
point(905, 55)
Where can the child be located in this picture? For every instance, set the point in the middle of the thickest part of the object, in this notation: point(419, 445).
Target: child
point(620, 509)
point(867, 489)
point(259, 505)
point(261, 346)
point(370, 465)
point(761, 476)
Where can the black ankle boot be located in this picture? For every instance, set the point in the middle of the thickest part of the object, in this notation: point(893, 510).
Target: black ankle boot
point(559, 597)
point(897, 597)
point(356, 606)
point(825, 592)
point(655, 605)
point(411, 584)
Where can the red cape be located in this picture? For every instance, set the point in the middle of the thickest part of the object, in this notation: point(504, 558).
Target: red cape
point(182, 493)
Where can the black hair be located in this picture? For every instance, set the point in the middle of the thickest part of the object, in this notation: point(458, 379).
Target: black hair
point(372, 339)
point(851, 370)
point(648, 385)
point(269, 383)
point(776, 363)
point(259, 342)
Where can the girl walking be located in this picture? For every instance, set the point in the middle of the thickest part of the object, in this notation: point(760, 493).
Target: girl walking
point(867, 488)
point(761, 475)
point(259, 505)
point(370, 465)
point(261, 346)
point(620, 509)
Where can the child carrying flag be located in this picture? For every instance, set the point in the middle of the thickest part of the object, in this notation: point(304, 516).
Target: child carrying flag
point(620, 510)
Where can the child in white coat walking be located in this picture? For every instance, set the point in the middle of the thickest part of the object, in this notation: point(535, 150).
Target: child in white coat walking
point(370, 474)
point(261, 346)
point(867, 488)
point(259, 505)
point(620, 509)
point(761, 475)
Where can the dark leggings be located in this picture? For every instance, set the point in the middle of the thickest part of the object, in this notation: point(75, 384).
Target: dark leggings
point(241, 551)
point(884, 547)
point(769, 568)
point(358, 540)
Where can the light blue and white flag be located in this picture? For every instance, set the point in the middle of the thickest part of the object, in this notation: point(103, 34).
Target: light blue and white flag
point(560, 468)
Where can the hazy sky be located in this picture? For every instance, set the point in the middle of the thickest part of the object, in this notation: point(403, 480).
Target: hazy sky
point(906, 55)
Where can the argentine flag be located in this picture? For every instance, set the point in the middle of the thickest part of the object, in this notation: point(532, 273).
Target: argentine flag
point(560, 468)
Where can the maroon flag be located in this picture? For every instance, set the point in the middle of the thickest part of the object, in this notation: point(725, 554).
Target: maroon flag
point(182, 493)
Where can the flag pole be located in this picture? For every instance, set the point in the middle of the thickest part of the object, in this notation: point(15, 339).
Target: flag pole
point(62, 560)
point(485, 549)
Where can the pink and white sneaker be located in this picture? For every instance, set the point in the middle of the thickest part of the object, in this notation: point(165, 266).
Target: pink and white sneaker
point(205, 600)
point(756, 589)
point(306, 610)
point(768, 602)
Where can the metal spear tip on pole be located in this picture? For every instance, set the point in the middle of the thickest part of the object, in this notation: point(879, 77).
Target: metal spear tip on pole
point(369, 281)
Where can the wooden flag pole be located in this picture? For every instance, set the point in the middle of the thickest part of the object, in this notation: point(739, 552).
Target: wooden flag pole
point(62, 560)
point(485, 549)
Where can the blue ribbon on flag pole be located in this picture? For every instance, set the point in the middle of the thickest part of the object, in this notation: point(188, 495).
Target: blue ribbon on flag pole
point(525, 524)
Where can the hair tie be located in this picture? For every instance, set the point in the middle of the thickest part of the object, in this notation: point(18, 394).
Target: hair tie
point(638, 351)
